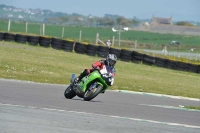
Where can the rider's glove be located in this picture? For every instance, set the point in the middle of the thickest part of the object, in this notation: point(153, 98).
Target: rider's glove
point(111, 81)
point(109, 74)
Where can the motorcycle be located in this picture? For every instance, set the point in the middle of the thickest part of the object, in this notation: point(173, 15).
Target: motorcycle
point(91, 85)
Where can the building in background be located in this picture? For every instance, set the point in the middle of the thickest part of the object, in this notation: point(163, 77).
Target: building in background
point(161, 21)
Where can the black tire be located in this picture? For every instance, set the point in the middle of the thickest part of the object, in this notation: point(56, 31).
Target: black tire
point(170, 64)
point(135, 53)
point(80, 50)
point(92, 47)
point(20, 41)
point(57, 47)
point(44, 41)
point(90, 95)
point(102, 54)
point(44, 38)
point(33, 39)
point(198, 69)
point(90, 52)
point(80, 45)
point(56, 43)
point(1, 36)
point(149, 60)
point(126, 53)
point(160, 62)
point(117, 52)
point(125, 58)
point(191, 68)
point(103, 49)
point(134, 60)
point(56, 40)
point(20, 38)
point(68, 48)
point(44, 44)
point(138, 57)
point(69, 93)
point(9, 37)
point(33, 43)
point(67, 43)
point(181, 66)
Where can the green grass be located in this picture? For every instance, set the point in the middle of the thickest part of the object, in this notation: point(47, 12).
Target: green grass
point(193, 107)
point(46, 65)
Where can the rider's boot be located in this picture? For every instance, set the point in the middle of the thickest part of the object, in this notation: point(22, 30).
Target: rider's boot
point(82, 74)
point(77, 79)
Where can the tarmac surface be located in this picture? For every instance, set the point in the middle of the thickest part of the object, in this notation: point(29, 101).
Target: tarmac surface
point(34, 107)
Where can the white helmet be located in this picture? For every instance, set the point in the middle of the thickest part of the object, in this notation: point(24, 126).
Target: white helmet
point(111, 59)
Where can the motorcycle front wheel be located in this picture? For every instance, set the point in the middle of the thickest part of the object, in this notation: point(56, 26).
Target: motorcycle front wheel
point(92, 92)
point(69, 93)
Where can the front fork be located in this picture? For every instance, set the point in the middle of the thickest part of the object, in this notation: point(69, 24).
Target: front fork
point(93, 86)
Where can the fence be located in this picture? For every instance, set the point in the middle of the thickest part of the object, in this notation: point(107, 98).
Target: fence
point(49, 30)
point(85, 34)
point(32, 28)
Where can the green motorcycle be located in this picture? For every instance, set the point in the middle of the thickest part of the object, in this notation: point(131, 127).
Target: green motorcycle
point(91, 85)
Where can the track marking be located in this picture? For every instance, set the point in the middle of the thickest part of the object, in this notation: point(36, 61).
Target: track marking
point(171, 107)
point(111, 116)
point(31, 82)
point(159, 95)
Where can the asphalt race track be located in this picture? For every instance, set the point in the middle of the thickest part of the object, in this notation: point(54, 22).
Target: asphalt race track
point(42, 108)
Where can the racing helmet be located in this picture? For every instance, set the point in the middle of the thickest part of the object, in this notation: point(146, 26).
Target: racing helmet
point(111, 59)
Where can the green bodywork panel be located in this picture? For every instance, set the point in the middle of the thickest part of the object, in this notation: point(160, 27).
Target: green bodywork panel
point(94, 76)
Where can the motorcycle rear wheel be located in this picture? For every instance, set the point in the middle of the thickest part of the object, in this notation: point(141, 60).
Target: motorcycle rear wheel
point(69, 93)
point(92, 93)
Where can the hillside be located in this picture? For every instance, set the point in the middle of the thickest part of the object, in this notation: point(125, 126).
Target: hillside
point(13, 13)
point(41, 15)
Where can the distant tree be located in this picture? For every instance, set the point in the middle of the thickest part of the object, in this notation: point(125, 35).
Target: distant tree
point(64, 19)
point(122, 21)
point(76, 20)
point(99, 21)
point(90, 21)
point(183, 23)
point(108, 21)
point(55, 20)
point(126, 22)
point(105, 21)
point(119, 19)
point(135, 22)
point(59, 14)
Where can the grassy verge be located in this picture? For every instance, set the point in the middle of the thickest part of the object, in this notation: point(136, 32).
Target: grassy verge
point(46, 65)
point(193, 107)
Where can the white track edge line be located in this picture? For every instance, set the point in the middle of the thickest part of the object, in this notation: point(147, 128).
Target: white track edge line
point(112, 116)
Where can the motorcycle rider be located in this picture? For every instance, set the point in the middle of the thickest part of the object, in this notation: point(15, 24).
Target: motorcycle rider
point(111, 60)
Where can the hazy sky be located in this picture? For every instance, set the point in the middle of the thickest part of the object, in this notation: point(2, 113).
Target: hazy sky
point(180, 10)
